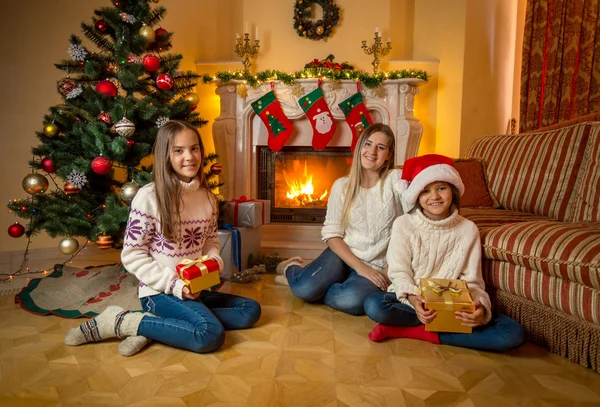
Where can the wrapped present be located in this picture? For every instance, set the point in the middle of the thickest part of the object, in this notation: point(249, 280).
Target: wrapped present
point(199, 274)
point(446, 297)
point(244, 212)
point(236, 245)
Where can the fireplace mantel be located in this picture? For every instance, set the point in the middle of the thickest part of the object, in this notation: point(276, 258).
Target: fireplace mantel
point(237, 131)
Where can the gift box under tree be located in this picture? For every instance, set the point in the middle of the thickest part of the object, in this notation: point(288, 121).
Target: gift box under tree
point(446, 297)
point(200, 274)
point(236, 245)
point(244, 212)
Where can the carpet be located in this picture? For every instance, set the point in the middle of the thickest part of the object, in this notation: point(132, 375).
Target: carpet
point(71, 292)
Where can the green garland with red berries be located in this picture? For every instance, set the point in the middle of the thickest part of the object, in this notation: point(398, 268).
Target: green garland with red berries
point(320, 29)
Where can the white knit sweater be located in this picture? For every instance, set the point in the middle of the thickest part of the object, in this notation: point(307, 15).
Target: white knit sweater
point(425, 248)
point(370, 219)
point(150, 256)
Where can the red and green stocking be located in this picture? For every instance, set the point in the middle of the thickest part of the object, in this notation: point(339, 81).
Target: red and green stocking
point(269, 110)
point(357, 116)
point(316, 109)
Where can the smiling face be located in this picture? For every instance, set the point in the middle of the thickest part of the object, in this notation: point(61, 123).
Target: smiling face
point(436, 200)
point(186, 155)
point(375, 152)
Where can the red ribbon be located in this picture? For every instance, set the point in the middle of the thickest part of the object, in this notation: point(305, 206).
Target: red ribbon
point(358, 83)
point(320, 82)
point(244, 199)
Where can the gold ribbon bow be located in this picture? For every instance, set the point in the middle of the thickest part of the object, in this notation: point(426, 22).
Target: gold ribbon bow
point(198, 262)
point(441, 289)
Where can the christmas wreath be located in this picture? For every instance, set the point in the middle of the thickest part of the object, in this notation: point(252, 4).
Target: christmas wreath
point(320, 29)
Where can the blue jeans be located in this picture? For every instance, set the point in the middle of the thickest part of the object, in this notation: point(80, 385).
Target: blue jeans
point(329, 279)
point(200, 325)
point(500, 334)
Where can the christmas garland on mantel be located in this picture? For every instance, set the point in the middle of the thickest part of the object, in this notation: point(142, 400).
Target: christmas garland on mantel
point(368, 80)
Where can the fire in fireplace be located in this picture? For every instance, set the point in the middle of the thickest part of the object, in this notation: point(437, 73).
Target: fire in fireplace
point(298, 180)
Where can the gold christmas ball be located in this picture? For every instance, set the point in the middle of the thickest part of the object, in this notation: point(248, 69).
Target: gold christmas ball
point(104, 241)
point(192, 98)
point(68, 245)
point(128, 192)
point(35, 184)
point(125, 127)
point(51, 130)
point(320, 30)
point(147, 33)
point(300, 27)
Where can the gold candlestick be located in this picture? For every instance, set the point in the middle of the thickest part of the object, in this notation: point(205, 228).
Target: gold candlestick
point(244, 50)
point(376, 49)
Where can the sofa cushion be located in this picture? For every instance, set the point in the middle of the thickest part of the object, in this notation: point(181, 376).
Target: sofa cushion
point(570, 251)
point(535, 173)
point(477, 191)
point(554, 292)
point(490, 218)
point(586, 201)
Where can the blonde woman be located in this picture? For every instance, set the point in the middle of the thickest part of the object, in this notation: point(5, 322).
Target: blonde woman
point(361, 210)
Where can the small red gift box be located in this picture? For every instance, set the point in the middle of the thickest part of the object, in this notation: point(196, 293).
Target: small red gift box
point(199, 274)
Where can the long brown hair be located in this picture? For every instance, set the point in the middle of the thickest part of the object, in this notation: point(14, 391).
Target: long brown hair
point(166, 184)
point(355, 175)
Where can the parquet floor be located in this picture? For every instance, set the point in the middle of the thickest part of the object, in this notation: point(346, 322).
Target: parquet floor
point(297, 355)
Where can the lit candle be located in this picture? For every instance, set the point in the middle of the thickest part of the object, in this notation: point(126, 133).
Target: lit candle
point(256, 33)
point(389, 39)
point(246, 30)
point(237, 36)
point(377, 29)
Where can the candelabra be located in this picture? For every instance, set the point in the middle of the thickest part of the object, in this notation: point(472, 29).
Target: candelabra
point(377, 50)
point(244, 50)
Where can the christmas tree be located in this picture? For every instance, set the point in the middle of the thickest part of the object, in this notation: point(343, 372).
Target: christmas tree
point(117, 92)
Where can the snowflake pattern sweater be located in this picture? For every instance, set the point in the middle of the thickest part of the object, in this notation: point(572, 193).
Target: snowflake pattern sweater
point(370, 220)
point(150, 256)
point(423, 248)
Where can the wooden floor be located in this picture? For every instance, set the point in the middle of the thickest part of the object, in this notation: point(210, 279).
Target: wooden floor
point(297, 355)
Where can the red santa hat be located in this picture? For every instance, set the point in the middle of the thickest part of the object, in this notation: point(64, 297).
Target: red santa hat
point(421, 171)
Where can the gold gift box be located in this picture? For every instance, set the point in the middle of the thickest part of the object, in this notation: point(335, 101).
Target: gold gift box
point(446, 297)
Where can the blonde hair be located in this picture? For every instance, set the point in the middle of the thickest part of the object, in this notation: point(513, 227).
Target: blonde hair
point(355, 175)
point(166, 183)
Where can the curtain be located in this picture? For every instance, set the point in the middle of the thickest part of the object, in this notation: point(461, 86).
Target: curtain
point(560, 77)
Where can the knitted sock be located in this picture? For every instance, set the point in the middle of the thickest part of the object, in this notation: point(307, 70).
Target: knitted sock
point(112, 322)
point(381, 332)
point(132, 345)
point(281, 280)
point(282, 267)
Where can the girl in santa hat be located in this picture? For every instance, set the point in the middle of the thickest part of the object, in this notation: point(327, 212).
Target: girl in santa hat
point(433, 241)
point(360, 212)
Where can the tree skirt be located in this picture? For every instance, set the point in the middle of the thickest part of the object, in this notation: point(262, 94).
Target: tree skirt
point(71, 292)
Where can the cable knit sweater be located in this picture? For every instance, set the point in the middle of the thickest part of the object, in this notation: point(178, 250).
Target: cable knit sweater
point(371, 216)
point(425, 248)
point(150, 256)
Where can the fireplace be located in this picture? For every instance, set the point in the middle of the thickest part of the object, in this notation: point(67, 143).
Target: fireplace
point(298, 180)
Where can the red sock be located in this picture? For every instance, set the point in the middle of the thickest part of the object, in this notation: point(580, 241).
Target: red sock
point(381, 332)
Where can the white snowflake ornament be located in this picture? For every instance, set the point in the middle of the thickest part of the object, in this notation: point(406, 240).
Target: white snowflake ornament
point(74, 93)
point(77, 52)
point(128, 18)
point(161, 120)
point(77, 179)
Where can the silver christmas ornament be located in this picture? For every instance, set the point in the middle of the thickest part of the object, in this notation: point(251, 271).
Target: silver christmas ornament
point(125, 127)
point(68, 245)
point(35, 184)
point(128, 192)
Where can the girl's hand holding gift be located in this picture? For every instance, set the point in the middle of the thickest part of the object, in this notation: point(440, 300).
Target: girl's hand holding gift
point(188, 295)
point(424, 315)
point(472, 319)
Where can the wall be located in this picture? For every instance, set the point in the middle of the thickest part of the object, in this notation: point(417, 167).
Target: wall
point(423, 32)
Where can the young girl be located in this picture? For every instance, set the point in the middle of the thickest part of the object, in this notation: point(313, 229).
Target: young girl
point(361, 209)
point(171, 219)
point(434, 241)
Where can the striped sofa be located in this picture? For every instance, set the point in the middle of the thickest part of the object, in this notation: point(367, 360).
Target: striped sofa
point(541, 249)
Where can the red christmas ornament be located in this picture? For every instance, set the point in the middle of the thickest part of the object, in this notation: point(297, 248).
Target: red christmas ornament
point(151, 62)
point(164, 81)
point(130, 142)
point(101, 26)
point(107, 87)
point(48, 165)
point(65, 86)
point(160, 32)
point(216, 169)
point(71, 189)
point(105, 118)
point(104, 241)
point(16, 230)
point(101, 165)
